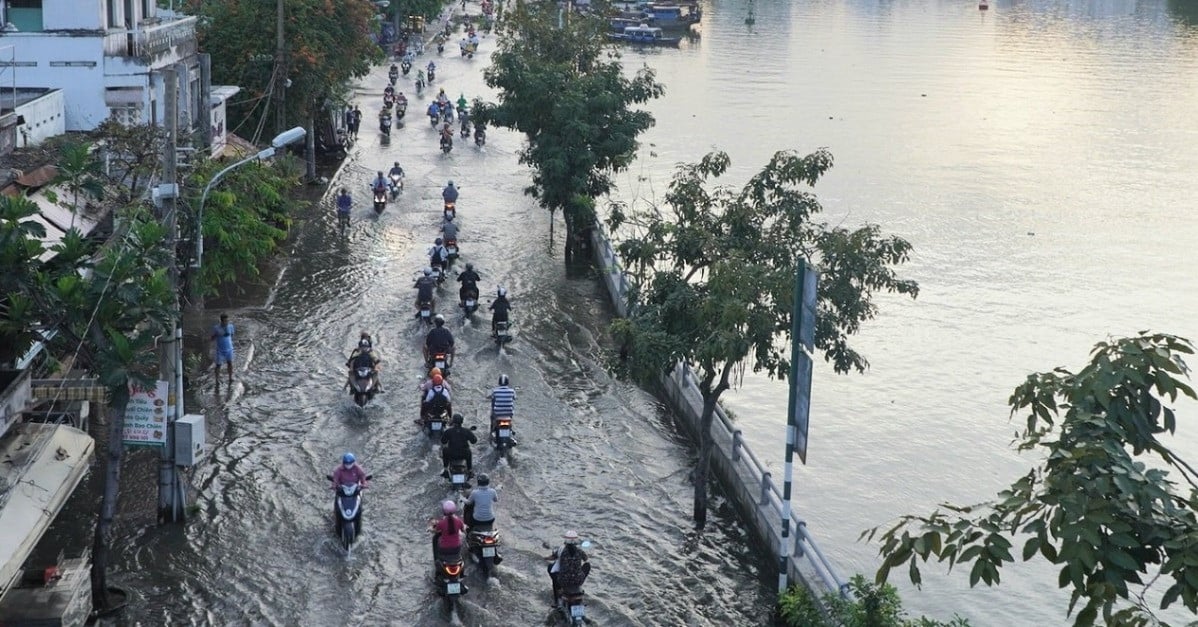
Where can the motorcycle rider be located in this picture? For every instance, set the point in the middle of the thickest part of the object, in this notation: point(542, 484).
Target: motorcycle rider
point(385, 121)
point(393, 73)
point(431, 381)
point(364, 356)
point(447, 533)
point(447, 134)
point(570, 565)
point(449, 229)
point(438, 340)
point(501, 306)
point(402, 101)
point(432, 70)
point(442, 99)
point(424, 289)
point(450, 193)
point(480, 506)
point(434, 111)
point(379, 184)
point(462, 46)
point(396, 170)
point(469, 280)
point(437, 399)
point(349, 473)
point(438, 255)
point(420, 82)
point(503, 402)
point(455, 444)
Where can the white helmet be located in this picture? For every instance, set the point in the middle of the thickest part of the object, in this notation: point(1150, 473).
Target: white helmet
point(502, 292)
point(428, 272)
point(571, 537)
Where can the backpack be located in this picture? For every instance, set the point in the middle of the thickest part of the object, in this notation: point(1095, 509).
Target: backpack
point(570, 572)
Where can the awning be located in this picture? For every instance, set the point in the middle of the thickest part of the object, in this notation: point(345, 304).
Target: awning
point(40, 466)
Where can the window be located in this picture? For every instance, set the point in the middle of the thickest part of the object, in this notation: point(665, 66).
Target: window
point(110, 11)
point(26, 15)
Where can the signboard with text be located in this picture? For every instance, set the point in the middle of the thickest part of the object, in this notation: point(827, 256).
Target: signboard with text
point(146, 415)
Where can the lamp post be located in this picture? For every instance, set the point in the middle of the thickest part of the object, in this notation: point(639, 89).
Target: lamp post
point(280, 141)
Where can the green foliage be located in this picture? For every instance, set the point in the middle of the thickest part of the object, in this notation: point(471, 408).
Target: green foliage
point(82, 173)
point(132, 153)
point(565, 89)
point(327, 44)
point(874, 605)
point(246, 215)
point(1101, 505)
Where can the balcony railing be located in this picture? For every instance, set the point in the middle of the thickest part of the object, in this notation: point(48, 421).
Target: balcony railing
point(153, 39)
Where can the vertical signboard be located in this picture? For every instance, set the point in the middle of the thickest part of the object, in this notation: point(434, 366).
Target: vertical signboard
point(145, 416)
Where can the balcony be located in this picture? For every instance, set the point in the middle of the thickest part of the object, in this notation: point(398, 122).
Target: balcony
point(154, 40)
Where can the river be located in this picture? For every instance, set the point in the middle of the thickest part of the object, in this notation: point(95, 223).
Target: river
point(1040, 156)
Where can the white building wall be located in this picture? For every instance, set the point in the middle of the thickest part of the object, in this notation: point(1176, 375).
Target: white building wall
point(73, 14)
point(44, 118)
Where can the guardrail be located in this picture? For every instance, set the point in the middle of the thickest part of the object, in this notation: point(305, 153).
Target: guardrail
point(748, 481)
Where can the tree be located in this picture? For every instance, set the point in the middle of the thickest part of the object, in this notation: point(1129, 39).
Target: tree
point(20, 249)
point(873, 605)
point(82, 173)
point(714, 276)
point(132, 152)
point(565, 89)
point(1100, 504)
point(327, 45)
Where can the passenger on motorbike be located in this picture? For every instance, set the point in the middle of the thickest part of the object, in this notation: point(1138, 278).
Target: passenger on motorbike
point(388, 91)
point(570, 565)
point(379, 184)
point(349, 473)
point(503, 401)
point(455, 444)
point(480, 506)
point(364, 356)
point(438, 255)
point(501, 306)
point(437, 399)
point(434, 111)
point(442, 98)
point(425, 286)
point(431, 381)
point(438, 340)
point(447, 532)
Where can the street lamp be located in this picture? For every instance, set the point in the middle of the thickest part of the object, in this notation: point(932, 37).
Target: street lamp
point(281, 140)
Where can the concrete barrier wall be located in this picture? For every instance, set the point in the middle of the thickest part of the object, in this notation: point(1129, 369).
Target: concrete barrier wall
point(744, 478)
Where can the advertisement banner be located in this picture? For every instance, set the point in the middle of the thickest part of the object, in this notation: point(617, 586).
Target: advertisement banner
point(145, 417)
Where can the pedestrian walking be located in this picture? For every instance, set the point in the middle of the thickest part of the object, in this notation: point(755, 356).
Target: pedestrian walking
point(222, 337)
point(355, 121)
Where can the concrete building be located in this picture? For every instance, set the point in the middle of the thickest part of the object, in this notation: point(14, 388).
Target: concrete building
point(29, 116)
point(105, 56)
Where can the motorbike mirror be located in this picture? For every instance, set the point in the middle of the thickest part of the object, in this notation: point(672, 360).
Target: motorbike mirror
point(473, 427)
point(329, 477)
point(586, 544)
point(369, 477)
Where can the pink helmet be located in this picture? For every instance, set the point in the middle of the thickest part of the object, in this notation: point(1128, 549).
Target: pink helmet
point(449, 507)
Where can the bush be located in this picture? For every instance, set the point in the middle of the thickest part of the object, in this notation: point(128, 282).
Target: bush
point(875, 606)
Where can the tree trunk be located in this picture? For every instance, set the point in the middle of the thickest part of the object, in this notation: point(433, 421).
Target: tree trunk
point(112, 484)
point(570, 244)
point(703, 464)
point(310, 148)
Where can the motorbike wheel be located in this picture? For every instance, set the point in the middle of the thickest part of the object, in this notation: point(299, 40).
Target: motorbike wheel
point(359, 399)
point(487, 564)
point(347, 535)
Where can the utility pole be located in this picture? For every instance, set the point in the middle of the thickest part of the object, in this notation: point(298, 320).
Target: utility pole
point(171, 349)
point(280, 71)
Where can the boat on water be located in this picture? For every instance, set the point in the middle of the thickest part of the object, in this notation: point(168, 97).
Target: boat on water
point(643, 34)
point(667, 16)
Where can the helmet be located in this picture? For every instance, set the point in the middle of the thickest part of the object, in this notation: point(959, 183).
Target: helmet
point(344, 191)
point(503, 379)
point(438, 241)
point(483, 479)
point(435, 372)
point(448, 507)
point(428, 272)
point(571, 537)
point(449, 218)
point(364, 343)
point(469, 266)
point(501, 291)
point(380, 174)
point(438, 379)
point(458, 420)
point(439, 318)
point(397, 164)
point(451, 183)
point(348, 459)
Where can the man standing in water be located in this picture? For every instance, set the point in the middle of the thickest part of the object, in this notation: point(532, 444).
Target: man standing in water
point(222, 335)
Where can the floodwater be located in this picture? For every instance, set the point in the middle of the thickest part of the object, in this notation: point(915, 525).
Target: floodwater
point(1040, 156)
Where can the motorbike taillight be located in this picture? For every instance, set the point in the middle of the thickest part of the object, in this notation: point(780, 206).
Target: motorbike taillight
point(453, 570)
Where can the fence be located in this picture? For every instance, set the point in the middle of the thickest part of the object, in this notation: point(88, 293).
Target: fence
point(747, 481)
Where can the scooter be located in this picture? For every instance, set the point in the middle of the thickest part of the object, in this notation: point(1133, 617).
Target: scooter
point(480, 137)
point(441, 362)
point(406, 67)
point(425, 312)
point(380, 200)
point(470, 304)
point(450, 209)
point(448, 575)
point(385, 126)
point(363, 386)
point(483, 541)
point(446, 144)
point(465, 130)
point(503, 333)
point(347, 512)
point(396, 185)
point(502, 437)
point(433, 422)
point(451, 247)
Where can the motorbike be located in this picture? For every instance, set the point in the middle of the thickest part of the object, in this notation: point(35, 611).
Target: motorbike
point(380, 200)
point(459, 476)
point(470, 303)
point(483, 542)
point(419, 86)
point(432, 74)
point(385, 126)
point(363, 386)
point(393, 76)
point(425, 312)
point(347, 512)
point(503, 333)
point(434, 119)
point(441, 361)
point(406, 67)
point(446, 144)
point(401, 109)
point(572, 607)
point(434, 422)
point(451, 246)
point(396, 185)
point(448, 576)
point(451, 208)
point(447, 112)
point(438, 271)
point(480, 137)
point(503, 434)
point(465, 130)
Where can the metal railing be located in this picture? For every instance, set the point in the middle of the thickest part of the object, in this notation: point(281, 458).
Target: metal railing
point(741, 456)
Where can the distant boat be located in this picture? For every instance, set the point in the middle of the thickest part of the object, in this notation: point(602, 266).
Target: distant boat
point(671, 16)
point(983, 5)
point(642, 34)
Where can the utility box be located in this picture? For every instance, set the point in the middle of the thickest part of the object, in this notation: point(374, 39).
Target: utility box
point(189, 440)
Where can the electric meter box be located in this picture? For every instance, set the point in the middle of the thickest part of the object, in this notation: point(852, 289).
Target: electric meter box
point(189, 440)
